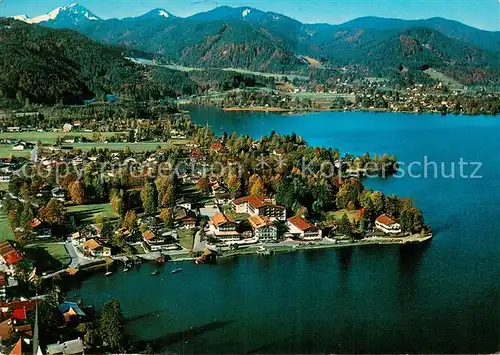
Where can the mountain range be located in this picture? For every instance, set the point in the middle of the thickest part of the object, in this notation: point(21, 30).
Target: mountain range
point(248, 38)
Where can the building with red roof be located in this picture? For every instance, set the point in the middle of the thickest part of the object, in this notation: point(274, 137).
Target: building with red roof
point(257, 206)
point(9, 255)
point(224, 227)
point(301, 228)
point(387, 225)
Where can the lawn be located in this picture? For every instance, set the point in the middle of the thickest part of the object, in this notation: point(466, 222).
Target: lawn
point(86, 213)
point(5, 232)
point(229, 211)
point(186, 238)
point(337, 215)
point(48, 257)
point(6, 151)
point(135, 147)
point(50, 137)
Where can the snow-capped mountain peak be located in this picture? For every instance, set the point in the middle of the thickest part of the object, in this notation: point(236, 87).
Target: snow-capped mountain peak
point(163, 13)
point(246, 12)
point(73, 13)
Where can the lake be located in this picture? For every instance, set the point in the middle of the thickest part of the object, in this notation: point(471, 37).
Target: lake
point(442, 297)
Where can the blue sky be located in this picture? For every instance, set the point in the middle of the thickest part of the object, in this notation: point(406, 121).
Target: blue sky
point(483, 14)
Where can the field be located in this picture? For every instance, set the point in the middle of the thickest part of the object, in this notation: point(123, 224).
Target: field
point(337, 215)
point(186, 238)
point(448, 81)
point(48, 257)
point(242, 71)
point(86, 213)
point(5, 232)
point(6, 151)
point(50, 137)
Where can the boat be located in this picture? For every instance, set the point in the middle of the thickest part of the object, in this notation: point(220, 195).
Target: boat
point(126, 269)
point(263, 251)
point(156, 272)
point(109, 273)
point(176, 271)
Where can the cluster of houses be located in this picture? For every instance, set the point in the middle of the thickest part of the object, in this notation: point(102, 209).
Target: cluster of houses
point(263, 213)
point(15, 321)
point(10, 256)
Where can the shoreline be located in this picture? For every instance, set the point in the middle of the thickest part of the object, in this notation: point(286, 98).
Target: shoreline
point(302, 111)
point(278, 249)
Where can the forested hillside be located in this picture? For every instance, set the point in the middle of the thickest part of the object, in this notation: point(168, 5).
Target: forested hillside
point(49, 66)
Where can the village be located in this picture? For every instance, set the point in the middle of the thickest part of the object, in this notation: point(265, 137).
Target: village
point(88, 209)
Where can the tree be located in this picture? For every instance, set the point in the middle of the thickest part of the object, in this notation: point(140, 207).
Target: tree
point(257, 187)
point(48, 311)
point(117, 205)
point(53, 212)
point(111, 325)
point(77, 192)
point(203, 185)
point(168, 199)
point(167, 216)
point(130, 220)
point(149, 197)
point(234, 184)
point(345, 226)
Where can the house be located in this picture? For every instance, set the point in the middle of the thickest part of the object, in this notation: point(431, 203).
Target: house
point(58, 194)
point(19, 146)
point(42, 230)
point(299, 227)
point(188, 222)
point(9, 255)
point(224, 227)
point(96, 248)
point(68, 127)
point(154, 241)
point(71, 312)
point(263, 228)
point(387, 225)
point(5, 178)
point(3, 286)
point(223, 198)
point(185, 203)
point(216, 147)
point(197, 154)
point(278, 152)
point(256, 206)
point(71, 347)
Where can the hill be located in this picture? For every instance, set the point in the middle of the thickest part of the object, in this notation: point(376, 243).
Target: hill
point(247, 38)
point(49, 66)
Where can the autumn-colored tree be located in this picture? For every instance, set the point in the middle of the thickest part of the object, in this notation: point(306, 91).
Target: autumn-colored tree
point(53, 212)
point(203, 185)
point(117, 205)
point(130, 220)
point(77, 192)
point(168, 199)
point(257, 186)
point(233, 184)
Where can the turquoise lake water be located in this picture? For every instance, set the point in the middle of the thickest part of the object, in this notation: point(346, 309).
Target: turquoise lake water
point(442, 297)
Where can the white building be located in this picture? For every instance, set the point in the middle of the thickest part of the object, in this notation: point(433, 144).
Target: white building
point(263, 228)
point(387, 225)
point(256, 206)
point(224, 228)
point(299, 227)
